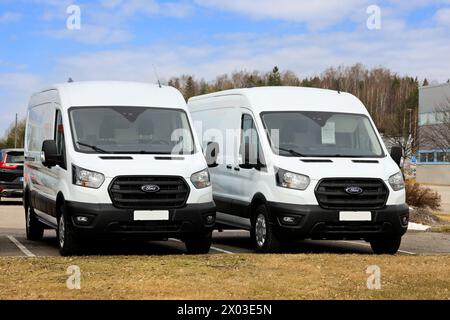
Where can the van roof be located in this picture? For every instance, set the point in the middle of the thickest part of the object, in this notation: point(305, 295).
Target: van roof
point(112, 93)
point(262, 99)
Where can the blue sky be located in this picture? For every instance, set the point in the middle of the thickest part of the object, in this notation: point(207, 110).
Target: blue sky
point(123, 39)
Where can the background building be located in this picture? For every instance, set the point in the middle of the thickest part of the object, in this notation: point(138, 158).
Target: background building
point(433, 161)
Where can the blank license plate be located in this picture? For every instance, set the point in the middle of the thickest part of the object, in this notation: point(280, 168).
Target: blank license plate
point(355, 216)
point(153, 215)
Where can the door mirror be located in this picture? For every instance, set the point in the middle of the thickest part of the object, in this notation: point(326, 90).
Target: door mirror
point(211, 154)
point(50, 156)
point(397, 154)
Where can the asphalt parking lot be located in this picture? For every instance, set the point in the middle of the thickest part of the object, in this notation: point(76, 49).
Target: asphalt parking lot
point(13, 242)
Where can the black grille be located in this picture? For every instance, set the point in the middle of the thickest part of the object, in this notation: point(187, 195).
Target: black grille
point(126, 192)
point(332, 194)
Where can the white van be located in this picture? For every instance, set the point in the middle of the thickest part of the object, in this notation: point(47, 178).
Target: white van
point(301, 163)
point(115, 159)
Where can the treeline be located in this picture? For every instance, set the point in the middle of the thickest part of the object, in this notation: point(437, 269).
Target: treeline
point(9, 139)
point(386, 95)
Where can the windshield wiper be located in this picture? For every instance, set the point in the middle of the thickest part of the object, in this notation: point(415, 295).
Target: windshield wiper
point(95, 148)
point(293, 152)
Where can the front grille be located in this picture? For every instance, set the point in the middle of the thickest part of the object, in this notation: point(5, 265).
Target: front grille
point(332, 194)
point(126, 192)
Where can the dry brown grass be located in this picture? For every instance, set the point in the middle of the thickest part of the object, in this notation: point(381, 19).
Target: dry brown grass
point(444, 217)
point(421, 197)
point(283, 276)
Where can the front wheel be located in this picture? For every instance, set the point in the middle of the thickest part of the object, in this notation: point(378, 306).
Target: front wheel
point(389, 245)
point(198, 244)
point(34, 228)
point(68, 242)
point(263, 237)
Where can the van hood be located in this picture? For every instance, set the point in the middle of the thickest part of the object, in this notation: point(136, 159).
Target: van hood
point(319, 168)
point(113, 165)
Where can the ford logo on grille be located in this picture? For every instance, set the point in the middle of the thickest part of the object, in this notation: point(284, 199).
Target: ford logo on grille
point(150, 188)
point(354, 190)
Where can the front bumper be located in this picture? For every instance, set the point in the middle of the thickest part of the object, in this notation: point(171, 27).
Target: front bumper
point(314, 222)
point(106, 220)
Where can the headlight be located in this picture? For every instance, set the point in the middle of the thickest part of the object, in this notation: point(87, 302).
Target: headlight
point(396, 181)
point(201, 179)
point(291, 180)
point(87, 178)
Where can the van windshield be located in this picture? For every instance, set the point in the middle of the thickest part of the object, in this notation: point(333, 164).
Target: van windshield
point(131, 130)
point(321, 134)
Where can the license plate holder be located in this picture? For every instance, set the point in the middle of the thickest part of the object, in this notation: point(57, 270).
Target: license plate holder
point(151, 215)
point(355, 216)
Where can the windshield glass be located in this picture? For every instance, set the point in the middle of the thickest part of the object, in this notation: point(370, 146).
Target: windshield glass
point(131, 130)
point(321, 134)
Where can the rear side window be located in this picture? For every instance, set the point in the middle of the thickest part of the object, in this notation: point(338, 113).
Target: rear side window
point(14, 157)
point(40, 126)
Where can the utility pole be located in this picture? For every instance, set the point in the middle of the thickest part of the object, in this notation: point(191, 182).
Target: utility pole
point(15, 134)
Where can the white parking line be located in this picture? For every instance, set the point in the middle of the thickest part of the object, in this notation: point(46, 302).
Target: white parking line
point(368, 245)
point(212, 247)
point(22, 248)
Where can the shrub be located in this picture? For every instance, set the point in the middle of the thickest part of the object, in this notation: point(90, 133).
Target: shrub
point(422, 197)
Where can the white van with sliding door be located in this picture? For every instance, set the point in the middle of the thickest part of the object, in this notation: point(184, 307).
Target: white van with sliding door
point(301, 163)
point(105, 159)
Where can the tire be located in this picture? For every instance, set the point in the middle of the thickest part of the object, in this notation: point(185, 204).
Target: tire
point(263, 237)
point(68, 242)
point(34, 228)
point(389, 245)
point(199, 244)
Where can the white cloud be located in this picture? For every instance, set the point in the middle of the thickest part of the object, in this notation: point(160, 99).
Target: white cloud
point(15, 90)
point(442, 17)
point(406, 52)
point(108, 21)
point(9, 17)
point(316, 14)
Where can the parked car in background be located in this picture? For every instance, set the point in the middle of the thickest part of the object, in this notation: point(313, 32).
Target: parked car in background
point(11, 173)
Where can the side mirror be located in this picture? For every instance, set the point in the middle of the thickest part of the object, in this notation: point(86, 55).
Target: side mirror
point(211, 154)
point(50, 154)
point(397, 154)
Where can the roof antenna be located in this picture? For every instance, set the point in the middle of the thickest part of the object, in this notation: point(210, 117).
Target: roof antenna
point(70, 80)
point(157, 77)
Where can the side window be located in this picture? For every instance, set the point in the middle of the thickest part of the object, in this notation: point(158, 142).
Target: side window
point(249, 135)
point(59, 136)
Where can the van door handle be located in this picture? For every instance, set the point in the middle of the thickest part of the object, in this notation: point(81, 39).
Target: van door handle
point(229, 167)
point(237, 169)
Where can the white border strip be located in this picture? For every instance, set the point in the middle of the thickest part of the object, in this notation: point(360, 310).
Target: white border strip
point(22, 248)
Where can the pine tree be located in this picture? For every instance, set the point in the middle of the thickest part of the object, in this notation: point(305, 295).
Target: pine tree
point(425, 83)
point(190, 88)
point(274, 78)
